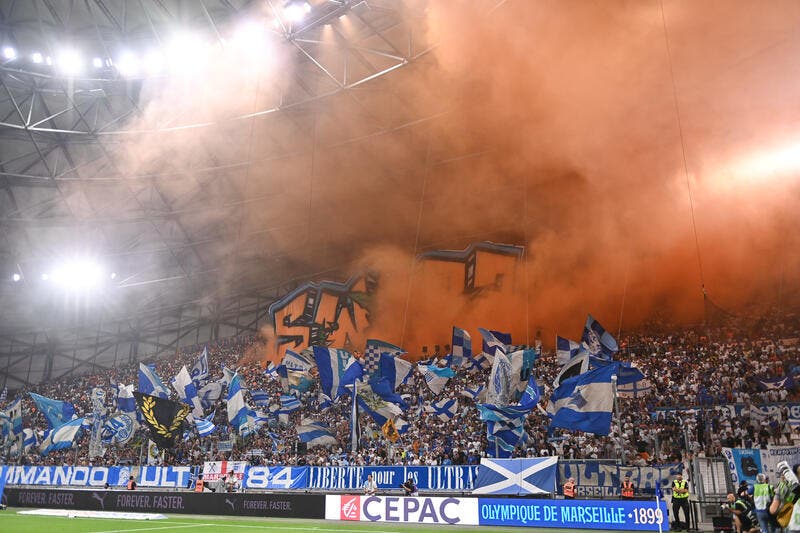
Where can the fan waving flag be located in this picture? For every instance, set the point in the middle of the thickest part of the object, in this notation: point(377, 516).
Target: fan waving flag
point(331, 364)
point(394, 369)
point(491, 344)
point(566, 350)
point(316, 434)
point(435, 377)
point(205, 426)
point(237, 408)
point(785, 382)
point(200, 369)
point(56, 412)
point(444, 409)
point(461, 349)
point(150, 383)
point(373, 351)
point(598, 341)
point(164, 418)
point(187, 392)
point(501, 379)
point(61, 437)
point(585, 402)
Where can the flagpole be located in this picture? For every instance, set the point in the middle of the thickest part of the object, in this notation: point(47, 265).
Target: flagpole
point(353, 422)
point(616, 413)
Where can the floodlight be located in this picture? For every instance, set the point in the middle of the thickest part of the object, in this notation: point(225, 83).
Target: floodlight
point(16, 277)
point(113, 275)
point(128, 65)
point(70, 62)
point(9, 53)
point(37, 57)
point(45, 276)
point(154, 63)
point(48, 60)
point(78, 275)
point(97, 62)
point(187, 53)
point(296, 11)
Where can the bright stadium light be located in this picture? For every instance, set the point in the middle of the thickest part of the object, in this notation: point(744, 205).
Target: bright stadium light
point(78, 275)
point(187, 53)
point(16, 277)
point(113, 275)
point(154, 63)
point(9, 53)
point(296, 11)
point(128, 65)
point(97, 62)
point(37, 57)
point(70, 62)
point(45, 276)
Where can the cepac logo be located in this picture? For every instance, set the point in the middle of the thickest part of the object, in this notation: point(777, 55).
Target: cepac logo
point(351, 508)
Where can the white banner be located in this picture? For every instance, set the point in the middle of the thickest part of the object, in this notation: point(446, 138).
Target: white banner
point(433, 510)
point(775, 454)
point(213, 470)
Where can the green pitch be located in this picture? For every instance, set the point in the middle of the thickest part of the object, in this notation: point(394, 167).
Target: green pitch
point(11, 522)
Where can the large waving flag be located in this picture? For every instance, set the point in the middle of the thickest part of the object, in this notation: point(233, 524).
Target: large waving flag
point(566, 350)
point(491, 343)
point(61, 437)
point(373, 351)
point(260, 397)
point(482, 361)
point(435, 377)
point(461, 347)
point(316, 434)
point(150, 383)
point(394, 369)
point(444, 409)
point(585, 402)
point(237, 408)
point(503, 439)
point(785, 382)
point(598, 341)
point(296, 362)
point(164, 418)
point(379, 409)
point(638, 389)
point(205, 426)
point(331, 364)
point(501, 381)
point(289, 403)
point(200, 369)
point(353, 372)
point(210, 394)
point(383, 388)
point(26, 441)
point(187, 392)
point(126, 403)
point(14, 412)
point(118, 429)
point(576, 366)
point(56, 412)
point(531, 395)
point(472, 392)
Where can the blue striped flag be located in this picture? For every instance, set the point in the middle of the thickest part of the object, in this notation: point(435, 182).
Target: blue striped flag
point(205, 426)
point(57, 412)
point(62, 436)
point(332, 364)
point(260, 397)
point(150, 383)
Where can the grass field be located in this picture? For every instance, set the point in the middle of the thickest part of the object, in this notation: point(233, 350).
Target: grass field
point(11, 522)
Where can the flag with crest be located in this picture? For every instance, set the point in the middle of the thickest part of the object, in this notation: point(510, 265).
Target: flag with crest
point(164, 418)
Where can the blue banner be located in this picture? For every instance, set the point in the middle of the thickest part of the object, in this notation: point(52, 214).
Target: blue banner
point(445, 478)
point(744, 463)
point(599, 479)
point(166, 476)
point(640, 515)
point(517, 476)
point(76, 476)
point(276, 477)
point(2, 480)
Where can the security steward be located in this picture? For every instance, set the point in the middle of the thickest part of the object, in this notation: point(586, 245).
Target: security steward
point(628, 488)
point(131, 483)
point(569, 489)
point(199, 484)
point(680, 500)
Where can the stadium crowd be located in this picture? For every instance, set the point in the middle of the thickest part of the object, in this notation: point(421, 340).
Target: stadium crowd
point(693, 373)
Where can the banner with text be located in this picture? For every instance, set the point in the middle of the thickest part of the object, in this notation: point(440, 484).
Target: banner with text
point(641, 515)
point(75, 476)
point(276, 477)
point(445, 478)
point(407, 510)
point(745, 463)
point(600, 479)
point(213, 470)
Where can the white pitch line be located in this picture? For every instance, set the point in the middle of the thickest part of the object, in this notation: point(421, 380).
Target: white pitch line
point(155, 528)
point(288, 528)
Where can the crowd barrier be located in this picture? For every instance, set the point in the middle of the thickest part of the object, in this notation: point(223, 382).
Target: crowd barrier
point(238, 504)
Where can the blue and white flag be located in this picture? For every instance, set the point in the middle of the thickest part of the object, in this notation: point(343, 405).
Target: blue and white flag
point(482, 361)
point(289, 403)
point(260, 397)
point(461, 347)
point(237, 408)
point(531, 395)
point(205, 426)
point(576, 366)
point(61, 437)
point(271, 370)
point(383, 388)
point(118, 429)
point(210, 394)
point(200, 369)
point(4, 395)
point(57, 412)
point(28, 439)
point(150, 383)
point(637, 389)
point(491, 344)
point(324, 401)
point(503, 439)
point(187, 392)
point(353, 373)
point(394, 369)
point(373, 351)
point(597, 340)
point(517, 476)
point(566, 350)
point(296, 362)
point(585, 402)
point(785, 382)
point(379, 409)
point(126, 403)
point(444, 409)
point(331, 364)
point(510, 415)
point(435, 377)
point(473, 392)
point(227, 375)
point(316, 434)
point(14, 412)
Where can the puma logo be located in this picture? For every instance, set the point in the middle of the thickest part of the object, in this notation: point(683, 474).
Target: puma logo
point(102, 499)
point(231, 503)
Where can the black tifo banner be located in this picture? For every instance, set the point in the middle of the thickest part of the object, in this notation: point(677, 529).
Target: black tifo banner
point(272, 505)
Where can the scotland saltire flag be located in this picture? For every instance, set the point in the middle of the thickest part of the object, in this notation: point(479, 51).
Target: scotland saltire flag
point(394, 369)
point(205, 426)
point(444, 409)
point(150, 383)
point(491, 343)
point(598, 341)
point(200, 369)
point(56, 411)
point(461, 347)
point(187, 392)
point(473, 392)
point(61, 437)
point(785, 382)
point(373, 351)
point(482, 361)
point(435, 377)
point(260, 397)
point(237, 408)
point(637, 389)
point(28, 440)
point(503, 439)
point(566, 350)
point(210, 394)
point(331, 364)
point(316, 434)
point(517, 477)
point(585, 402)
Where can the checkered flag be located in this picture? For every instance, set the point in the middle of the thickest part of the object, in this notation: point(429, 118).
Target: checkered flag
point(372, 354)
